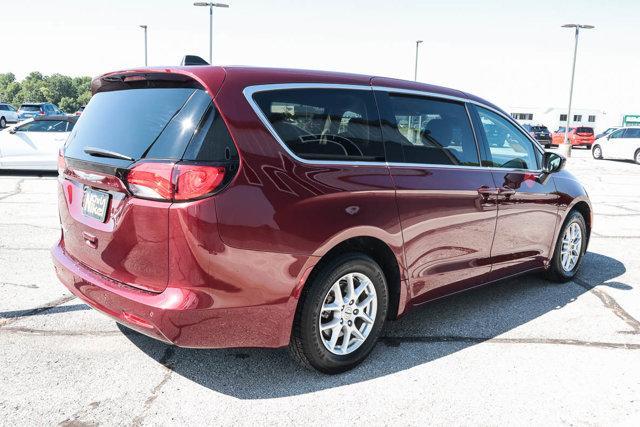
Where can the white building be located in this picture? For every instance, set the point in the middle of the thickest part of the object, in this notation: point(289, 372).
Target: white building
point(555, 117)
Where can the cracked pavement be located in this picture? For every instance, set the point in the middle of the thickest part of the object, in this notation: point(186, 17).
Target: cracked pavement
point(524, 351)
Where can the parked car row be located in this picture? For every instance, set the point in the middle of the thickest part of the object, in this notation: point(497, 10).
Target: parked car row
point(9, 114)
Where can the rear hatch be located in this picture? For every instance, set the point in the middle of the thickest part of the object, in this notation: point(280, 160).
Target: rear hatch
point(30, 110)
point(120, 172)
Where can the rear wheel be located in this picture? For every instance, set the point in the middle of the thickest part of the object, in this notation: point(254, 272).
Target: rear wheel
point(341, 314)
point(637, 157)
point(597, 152)
point(569, 250)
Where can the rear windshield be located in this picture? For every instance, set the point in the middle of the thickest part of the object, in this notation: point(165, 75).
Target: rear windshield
point(30, 107)
point(584, 130)
point(539, 129)
point(153, 123)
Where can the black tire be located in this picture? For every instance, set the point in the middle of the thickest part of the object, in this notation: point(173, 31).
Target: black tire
point(3, 122)
point(636, 156)
point(596, 152)
point(306, 345)
point(556, 273)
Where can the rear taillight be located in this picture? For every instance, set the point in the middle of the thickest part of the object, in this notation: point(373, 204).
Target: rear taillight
point(170, 181)
point(62, 164)
point(41, 112)
point(193, 181)
point(151, 181)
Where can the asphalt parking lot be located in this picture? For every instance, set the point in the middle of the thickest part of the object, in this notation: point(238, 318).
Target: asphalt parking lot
point(524, 351)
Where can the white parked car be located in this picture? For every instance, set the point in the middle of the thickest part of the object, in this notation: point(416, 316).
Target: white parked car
point(623, 143)
point(8, 114)
point(34, 143)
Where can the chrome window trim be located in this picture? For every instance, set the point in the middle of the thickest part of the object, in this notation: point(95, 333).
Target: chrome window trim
point(249, 91)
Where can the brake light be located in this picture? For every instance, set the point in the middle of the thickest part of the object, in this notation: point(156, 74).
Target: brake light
point(151, 181)
point(169, 181)
point(62, 164)
point(193, 181)
point(41, 112)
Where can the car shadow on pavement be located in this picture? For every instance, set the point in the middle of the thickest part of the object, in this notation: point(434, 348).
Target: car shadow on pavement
point(430, 332)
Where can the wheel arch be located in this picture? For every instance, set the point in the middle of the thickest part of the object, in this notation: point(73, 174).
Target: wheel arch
point(380, 252)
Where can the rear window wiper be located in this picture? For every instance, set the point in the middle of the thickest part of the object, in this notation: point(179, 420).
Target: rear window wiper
point(100, 152)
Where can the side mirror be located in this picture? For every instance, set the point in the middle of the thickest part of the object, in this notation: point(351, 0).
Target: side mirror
point(552, 162)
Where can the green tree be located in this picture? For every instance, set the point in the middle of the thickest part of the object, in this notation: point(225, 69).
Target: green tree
point(69, 93)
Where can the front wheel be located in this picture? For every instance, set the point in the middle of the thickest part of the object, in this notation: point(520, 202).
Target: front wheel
point(3, 122)
point(597, 152)
point(637, 157)
point(569, 250)
point(341, 314)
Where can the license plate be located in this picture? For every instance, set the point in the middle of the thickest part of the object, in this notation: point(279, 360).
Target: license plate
point(95, 204)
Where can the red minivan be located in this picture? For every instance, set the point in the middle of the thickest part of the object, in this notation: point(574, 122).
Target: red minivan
point(216, 207)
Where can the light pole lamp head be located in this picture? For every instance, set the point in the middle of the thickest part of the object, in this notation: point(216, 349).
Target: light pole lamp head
point(143, 26)
point(208, 4)
point(582, 26)
point(419, 41)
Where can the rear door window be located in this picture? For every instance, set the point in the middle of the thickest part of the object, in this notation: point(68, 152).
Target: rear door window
point(431, 131)
point(325, 124)
point(153, 123)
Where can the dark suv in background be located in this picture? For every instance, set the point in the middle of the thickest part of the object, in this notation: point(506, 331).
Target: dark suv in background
point(247, 207)
point(540, 133)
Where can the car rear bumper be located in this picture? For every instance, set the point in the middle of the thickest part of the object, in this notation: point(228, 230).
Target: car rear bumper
point(175, 315)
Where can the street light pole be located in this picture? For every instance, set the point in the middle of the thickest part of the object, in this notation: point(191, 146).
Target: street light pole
point(415, 73)
point(210, 6)
point(144, 27)
point(565, 147)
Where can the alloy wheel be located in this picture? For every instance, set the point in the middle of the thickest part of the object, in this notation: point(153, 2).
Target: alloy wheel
point(348, 313)
point(571, 247)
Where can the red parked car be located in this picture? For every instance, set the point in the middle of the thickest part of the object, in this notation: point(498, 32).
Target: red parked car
point(243, 207)
point(581, 136)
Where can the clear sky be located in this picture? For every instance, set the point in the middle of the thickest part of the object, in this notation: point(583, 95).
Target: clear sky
point(511, 52)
